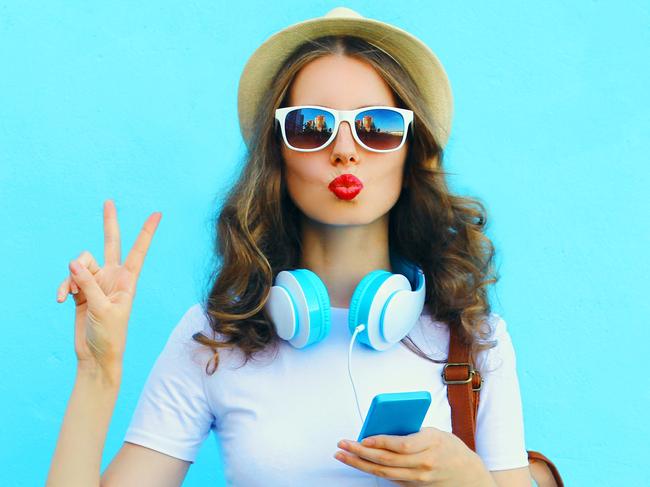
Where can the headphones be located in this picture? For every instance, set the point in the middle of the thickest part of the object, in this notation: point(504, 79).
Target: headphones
point(388, 304)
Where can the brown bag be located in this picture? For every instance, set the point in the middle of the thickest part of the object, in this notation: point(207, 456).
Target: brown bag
point(463, 390)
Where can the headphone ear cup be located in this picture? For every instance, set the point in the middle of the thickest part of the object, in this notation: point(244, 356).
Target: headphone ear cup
point(400, 314)
point(388, 307)
point(281, 309)
point(362, 301)
point(318, 302)
point(299, 307)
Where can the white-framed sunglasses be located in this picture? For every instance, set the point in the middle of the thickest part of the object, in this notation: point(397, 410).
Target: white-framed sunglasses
point(309, 128)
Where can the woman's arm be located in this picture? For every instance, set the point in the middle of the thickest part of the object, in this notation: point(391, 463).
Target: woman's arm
point(517, 477)
point(78, 454)
point(138, 466)
point(103, 299)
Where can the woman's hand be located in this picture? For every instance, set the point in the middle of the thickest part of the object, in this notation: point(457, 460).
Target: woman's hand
point(430, 457)
point(104, 295)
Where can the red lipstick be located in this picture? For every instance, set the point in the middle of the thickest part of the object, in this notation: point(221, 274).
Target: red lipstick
point(346, 186)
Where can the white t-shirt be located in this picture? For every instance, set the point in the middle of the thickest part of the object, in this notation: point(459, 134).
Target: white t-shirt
point(278, 420)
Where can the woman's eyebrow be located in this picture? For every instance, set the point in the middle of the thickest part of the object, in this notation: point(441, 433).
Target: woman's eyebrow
point(374, 105)
point(360, 106)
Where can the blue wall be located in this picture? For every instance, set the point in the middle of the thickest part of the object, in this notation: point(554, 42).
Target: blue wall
point(136, 101)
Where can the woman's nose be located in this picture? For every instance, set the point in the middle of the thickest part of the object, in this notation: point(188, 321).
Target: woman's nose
point(344, 148)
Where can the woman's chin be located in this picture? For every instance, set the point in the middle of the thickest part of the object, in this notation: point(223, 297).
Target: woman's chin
point(339, 218)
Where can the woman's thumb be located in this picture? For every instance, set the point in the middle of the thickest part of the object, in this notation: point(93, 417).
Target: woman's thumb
point(86, 281)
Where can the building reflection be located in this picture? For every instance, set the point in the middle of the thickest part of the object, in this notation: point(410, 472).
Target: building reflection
point(376, 132)
point(319, 124)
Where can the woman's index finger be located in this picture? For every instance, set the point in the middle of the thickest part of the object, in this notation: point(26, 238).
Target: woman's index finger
point(112, 248)
point(136, 256)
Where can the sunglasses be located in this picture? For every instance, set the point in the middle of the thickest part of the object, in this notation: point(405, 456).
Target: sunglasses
point(309, 128)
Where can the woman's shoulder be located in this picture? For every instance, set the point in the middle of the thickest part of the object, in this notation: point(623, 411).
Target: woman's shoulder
point(500, 356)
point(195, 320)
point(433, 335)
point(494, 325)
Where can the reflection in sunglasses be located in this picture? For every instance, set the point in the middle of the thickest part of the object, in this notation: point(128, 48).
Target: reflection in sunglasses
point(308, 128)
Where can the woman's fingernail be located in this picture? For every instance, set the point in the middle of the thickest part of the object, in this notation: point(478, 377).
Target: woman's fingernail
point(74, 267)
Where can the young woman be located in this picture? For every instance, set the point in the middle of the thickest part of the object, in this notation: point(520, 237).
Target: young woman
point(345, 119)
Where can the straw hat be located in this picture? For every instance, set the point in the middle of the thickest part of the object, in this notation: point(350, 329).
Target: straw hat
point(409, 51)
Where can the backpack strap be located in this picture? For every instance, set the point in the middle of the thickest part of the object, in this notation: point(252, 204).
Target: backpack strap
point(547, 472)
point(463, 391)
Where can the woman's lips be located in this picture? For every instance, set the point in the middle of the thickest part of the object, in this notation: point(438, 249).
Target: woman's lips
point(346, 186)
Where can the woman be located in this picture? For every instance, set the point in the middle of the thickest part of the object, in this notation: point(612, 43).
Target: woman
point(342, 200)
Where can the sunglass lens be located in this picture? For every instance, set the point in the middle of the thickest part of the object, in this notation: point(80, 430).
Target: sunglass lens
point(380, 129)
point(308, 128)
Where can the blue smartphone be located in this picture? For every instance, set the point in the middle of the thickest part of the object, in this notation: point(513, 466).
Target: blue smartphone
point(396, 413)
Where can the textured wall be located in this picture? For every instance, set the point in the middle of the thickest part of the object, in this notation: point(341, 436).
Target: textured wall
point(136, 101)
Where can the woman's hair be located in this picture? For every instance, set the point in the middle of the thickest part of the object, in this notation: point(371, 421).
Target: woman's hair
point(258, 228)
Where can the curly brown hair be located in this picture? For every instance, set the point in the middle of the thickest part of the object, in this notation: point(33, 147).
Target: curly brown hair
point(258, 228)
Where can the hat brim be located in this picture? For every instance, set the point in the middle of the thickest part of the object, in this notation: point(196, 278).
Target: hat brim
point(412, 54)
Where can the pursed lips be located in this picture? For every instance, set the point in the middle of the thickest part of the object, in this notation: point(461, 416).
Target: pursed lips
point(346, 186)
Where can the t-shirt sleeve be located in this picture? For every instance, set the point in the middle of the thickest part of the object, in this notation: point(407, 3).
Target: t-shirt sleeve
point(172, 415)
point(500, 438)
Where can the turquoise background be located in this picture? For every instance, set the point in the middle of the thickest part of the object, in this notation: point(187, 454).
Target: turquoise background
point(136, 101)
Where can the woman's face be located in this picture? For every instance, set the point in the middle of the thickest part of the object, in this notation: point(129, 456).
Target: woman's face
point(343, 83)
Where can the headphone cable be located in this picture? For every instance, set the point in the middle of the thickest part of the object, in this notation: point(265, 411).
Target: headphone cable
point(357, 330)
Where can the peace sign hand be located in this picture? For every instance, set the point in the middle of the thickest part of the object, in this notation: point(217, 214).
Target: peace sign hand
point(104, 296)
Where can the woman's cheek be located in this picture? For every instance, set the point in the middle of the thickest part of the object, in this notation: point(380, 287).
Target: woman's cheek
point(305, 190)
point(387, 189)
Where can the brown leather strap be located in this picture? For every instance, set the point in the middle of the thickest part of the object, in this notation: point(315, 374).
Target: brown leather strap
point(464, 397)
point(461, 379)
point(537, 456)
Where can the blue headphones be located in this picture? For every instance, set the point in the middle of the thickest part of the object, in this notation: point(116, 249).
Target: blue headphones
point(387, 304)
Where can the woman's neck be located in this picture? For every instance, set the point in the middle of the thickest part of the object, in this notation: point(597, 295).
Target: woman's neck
point(341, 255)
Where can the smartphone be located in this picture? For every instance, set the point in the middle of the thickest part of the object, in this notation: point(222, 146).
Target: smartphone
point(396, 413)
